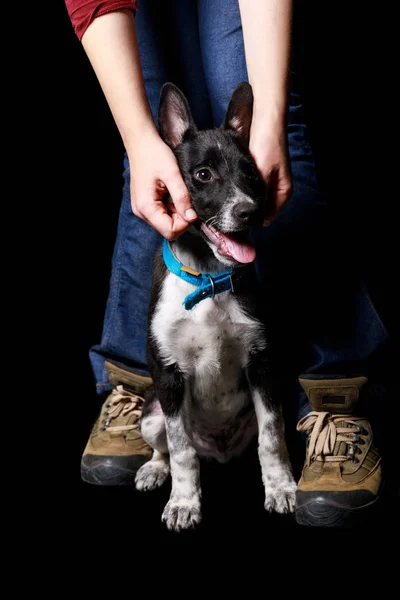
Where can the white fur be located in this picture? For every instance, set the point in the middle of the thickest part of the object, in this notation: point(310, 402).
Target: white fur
point(215, 336)
point(152, 474)
point(183, 508)
point(279, 485)
point(227, 221)
point(236, 123)
point(150, 430)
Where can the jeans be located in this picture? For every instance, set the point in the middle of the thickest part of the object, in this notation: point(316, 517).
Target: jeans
point(324, 318)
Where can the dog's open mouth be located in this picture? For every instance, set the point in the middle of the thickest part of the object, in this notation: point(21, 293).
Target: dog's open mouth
point(234, 245)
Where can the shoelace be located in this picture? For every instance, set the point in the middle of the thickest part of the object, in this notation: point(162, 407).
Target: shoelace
point(325, 433)
point(122, 403)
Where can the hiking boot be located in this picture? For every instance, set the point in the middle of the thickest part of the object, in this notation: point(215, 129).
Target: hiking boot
point(341, 479)
point(116, 449)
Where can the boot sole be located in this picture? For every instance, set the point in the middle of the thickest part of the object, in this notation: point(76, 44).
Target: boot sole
point(111, 474)
point(322, 514)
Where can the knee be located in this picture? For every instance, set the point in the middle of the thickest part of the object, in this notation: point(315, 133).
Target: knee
point(153, 432)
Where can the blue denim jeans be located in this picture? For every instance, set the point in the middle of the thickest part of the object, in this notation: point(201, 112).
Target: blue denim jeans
point(325, 319)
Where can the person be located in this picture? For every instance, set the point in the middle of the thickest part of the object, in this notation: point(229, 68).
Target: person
point(327, 325)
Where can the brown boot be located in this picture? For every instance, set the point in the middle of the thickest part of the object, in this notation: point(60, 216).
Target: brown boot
point(342, 475)
point(116, 449)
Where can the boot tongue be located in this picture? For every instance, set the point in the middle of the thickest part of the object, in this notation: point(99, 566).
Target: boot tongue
point(137, 384)
point(333, 395)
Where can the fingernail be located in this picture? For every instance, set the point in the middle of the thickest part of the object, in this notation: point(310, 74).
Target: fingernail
point(190, 214)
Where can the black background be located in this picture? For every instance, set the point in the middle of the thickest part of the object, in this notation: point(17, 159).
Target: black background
point(351, 109)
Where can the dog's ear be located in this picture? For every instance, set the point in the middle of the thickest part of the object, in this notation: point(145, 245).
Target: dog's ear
point(174, 116)
point(240, 111)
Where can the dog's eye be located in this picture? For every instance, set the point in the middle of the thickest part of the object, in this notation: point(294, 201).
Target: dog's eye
point(204, 175)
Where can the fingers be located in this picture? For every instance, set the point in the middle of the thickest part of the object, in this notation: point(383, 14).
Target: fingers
point(156, 214)
point(282, 195)
point(279, 190)
point(154, 172)
point(180, 195)
point(170, 220)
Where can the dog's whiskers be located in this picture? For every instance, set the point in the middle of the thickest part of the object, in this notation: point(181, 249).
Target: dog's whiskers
point(211, 222)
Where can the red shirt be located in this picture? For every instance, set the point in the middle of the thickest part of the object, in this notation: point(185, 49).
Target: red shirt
point(83, 12)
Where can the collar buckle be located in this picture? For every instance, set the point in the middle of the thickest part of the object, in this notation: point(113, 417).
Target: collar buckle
point(212, 286)
point(231, 280)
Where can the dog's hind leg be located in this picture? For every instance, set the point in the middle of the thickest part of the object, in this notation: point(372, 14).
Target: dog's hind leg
point(154, 473)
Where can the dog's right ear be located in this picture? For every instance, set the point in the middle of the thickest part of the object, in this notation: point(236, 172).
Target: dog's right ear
point(174, 116)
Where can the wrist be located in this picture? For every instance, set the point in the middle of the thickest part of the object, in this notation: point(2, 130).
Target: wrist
point(269, 112)
point(269, 120)
point(140, 135)
point(268, 129)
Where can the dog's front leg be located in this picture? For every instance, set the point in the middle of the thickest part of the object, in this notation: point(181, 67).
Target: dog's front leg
point(183, 508)
point(279, 484)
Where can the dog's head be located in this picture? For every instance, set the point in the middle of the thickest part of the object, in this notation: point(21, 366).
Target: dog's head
point(227, 191)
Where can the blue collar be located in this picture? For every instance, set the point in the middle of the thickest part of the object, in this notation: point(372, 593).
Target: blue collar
point(208, 284)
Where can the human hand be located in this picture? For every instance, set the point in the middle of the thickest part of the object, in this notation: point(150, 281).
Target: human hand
point(154, 171)
point(268, 146)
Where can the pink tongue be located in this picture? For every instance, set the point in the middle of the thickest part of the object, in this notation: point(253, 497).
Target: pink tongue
point(242, 252)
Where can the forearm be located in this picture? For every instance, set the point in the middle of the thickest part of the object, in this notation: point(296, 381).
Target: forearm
point(267, 27)
point(111, 46)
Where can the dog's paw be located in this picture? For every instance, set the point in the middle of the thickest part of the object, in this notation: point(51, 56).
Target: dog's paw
point(182, 514)
point(151, 475)
point(280, 498)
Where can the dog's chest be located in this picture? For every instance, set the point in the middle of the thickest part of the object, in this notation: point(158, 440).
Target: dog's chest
point(210, 343)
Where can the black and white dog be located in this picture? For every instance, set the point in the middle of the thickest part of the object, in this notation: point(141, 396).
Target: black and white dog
point(207, 347)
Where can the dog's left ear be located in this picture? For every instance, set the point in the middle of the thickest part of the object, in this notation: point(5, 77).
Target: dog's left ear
point(174, 116)
point(240, 111)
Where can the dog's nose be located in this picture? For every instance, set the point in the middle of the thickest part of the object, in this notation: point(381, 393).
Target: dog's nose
point(245, 211)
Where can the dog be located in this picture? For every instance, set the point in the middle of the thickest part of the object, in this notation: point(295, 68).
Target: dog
point(208, 352)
